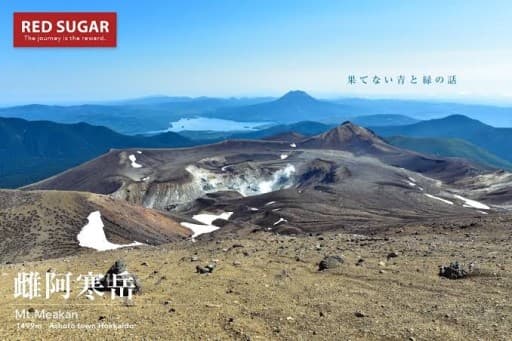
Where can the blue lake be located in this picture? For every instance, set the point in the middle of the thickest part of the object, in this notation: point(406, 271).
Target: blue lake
point(215, 124)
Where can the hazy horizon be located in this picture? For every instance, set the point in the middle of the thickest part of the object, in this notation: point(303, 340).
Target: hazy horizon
point(273, 96)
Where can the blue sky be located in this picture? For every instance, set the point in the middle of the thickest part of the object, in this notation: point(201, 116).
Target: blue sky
point(263, 47)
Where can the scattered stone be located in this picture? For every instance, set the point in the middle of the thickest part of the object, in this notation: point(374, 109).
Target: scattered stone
point(360, 314)
point(172, 310)
point(31, 310)
point(236, 246)
point(381, 263)
point(208, 269)
point(237, 263)
point(330, 262)
point(210, 305)
point(392, 254)
point(202, 270)
point(194, 259)
point(360, 262)
point(102, 318)
point(453, 271)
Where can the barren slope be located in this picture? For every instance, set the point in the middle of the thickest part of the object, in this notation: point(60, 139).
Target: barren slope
point(45, 224)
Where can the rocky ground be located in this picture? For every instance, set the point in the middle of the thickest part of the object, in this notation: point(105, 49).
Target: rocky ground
point(268, 287)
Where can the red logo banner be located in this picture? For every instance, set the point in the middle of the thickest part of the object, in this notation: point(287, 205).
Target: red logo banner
point(65, 29)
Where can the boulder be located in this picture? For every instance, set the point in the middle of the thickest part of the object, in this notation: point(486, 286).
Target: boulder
point(330, 262)
point(122, 281)
point(453, 271)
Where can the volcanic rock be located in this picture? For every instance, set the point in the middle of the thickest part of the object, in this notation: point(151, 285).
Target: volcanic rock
point(330, 262)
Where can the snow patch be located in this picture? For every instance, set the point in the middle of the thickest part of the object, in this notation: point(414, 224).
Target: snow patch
point(281, 220)
point(293, 145)
point(284, 156)
point(270, 203)
point(206, 220)
point(93, 236)
point(133, 159)
point(472, 203)
point(411, 182)
point(440, 199)
point(139, 152)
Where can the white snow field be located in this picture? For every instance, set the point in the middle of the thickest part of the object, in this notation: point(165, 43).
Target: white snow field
point(472, 203)
point(133, 159)
point(440, 199)
point(206, 220)
point(93, 236)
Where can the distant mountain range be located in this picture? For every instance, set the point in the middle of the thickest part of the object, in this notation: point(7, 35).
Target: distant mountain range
point(155, 113)
point(299, 106)
point(163, 100)
point(34, 150)
point(425, 110)
point(450, 147)
point(127, 117)
point(495, 140)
